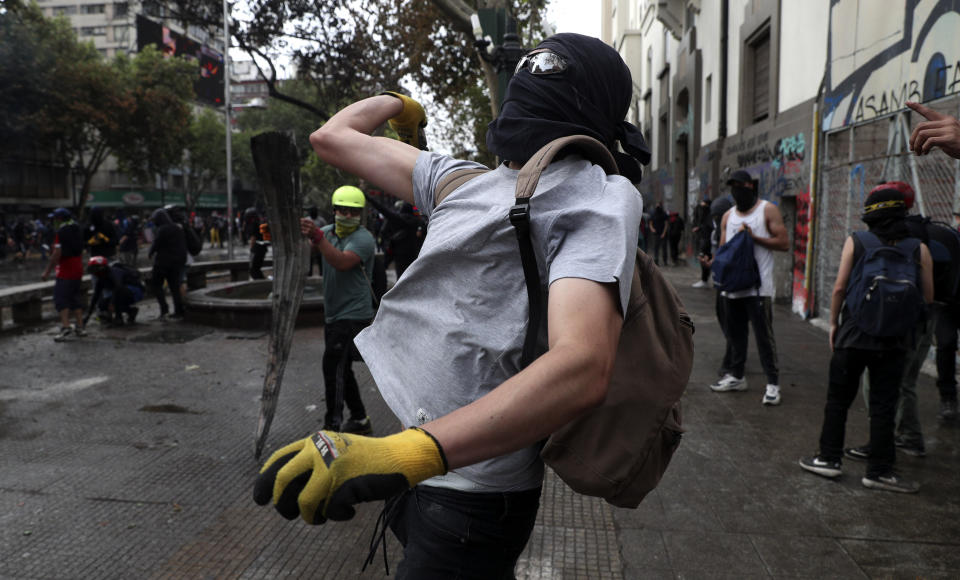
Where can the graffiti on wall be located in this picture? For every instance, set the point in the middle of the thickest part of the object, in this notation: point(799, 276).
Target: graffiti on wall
point(778, 165)
point(909, 52)
point(800, 234)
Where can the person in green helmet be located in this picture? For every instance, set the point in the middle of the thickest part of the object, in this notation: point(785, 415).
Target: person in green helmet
point(346, 249)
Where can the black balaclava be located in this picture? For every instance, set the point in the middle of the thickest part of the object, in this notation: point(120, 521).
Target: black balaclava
point(744, 197)
point(884, 211)
point(591, 97)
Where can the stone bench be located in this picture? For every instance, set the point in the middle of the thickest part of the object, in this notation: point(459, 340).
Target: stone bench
point(26, 301)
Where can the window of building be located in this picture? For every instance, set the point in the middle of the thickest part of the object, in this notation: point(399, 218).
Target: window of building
point(92, 8)
point(93, 30)
point(663, 141)
point(120, 9)
point(649, 68)
point(178, 181)
point(708, 99)
point(759, 75)
point(65, 10)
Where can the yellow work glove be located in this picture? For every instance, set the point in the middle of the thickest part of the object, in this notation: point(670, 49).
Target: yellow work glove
point(323, 476)
point(410, 122)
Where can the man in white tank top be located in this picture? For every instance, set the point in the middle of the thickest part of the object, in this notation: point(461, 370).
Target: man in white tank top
point(765, 224)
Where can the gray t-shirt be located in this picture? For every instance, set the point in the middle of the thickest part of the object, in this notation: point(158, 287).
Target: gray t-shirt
point(347, 295)
point(452, 328)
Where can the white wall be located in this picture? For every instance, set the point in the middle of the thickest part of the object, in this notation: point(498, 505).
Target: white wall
point(735, 20)
point(708, 41)
point(803, 50)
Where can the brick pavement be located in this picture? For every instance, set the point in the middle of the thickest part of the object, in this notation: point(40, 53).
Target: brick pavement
point(129, 454)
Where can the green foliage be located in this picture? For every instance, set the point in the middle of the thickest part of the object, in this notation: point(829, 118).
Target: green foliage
point(348, 50)
point(205, 158)
point(159, 90)
point(318, 180)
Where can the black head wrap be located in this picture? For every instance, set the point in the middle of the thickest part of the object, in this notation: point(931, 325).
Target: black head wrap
point(884, 211)
point(591, 97)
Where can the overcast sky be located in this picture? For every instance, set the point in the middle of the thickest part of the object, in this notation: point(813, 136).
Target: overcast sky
point(581, 16)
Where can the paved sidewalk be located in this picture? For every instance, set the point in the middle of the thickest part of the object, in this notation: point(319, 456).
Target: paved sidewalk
point(128, 454)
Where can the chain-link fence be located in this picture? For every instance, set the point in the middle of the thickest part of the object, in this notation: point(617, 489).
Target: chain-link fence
point(857, 158)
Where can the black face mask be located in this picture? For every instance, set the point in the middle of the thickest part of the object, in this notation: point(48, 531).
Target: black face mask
point(588, 97)
point(744, 197)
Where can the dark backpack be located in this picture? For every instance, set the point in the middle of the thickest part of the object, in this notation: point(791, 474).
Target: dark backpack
point(620, 449)
point(883, 295)
point(735, 267)
point(194, 243)
point(944, 244)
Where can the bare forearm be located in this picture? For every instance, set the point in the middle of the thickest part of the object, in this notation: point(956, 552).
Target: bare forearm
point(776, 243)
point(341, 261)
point(556, 388)
point(836, 303)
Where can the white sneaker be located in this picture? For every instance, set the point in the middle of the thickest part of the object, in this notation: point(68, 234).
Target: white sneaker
point(772, 396)
point(699, 284)
point(729, 383)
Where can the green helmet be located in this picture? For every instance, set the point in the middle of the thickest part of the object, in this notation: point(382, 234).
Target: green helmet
point(348, 196)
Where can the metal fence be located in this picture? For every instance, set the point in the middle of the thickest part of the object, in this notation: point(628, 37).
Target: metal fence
point(857, 158)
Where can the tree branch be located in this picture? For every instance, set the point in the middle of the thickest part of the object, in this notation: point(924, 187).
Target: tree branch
point(459, 14)
point(272, 82)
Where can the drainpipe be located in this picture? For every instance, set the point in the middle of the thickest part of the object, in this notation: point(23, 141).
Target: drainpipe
point(724, 24)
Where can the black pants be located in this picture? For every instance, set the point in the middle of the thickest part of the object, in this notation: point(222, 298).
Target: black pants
point(659, 247)
point(846, 366)
point(948, 323)
point(170, 275)
point(257, 254)
point(741, 313)
point(456, 534)
point(340, 384)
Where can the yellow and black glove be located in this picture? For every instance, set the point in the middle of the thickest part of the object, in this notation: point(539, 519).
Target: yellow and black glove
point(410, 122)
point(323, 476)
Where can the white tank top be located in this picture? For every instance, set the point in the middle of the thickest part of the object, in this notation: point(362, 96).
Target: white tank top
point(758, 224)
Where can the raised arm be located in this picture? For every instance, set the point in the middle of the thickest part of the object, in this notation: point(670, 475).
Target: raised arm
point(345, 142)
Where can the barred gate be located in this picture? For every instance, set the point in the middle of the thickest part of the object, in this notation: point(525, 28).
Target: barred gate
point(854, 160)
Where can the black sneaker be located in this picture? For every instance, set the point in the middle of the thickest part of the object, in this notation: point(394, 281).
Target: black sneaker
point(948, 410)
point(909, 447)
point(820, 466)
point(859, 453)
point(358, 426)
point(132, 314)
point(65, 334)
point(891, 482)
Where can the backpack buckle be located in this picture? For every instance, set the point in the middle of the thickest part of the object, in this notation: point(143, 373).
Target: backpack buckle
point(520, 213)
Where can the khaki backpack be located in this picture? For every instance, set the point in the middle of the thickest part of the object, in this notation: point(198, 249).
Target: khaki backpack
point(620, 449)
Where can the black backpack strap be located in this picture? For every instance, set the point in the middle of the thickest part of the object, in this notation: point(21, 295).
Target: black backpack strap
point(527, 182)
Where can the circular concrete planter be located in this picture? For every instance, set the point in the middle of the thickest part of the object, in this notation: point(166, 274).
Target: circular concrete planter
point(248, 305)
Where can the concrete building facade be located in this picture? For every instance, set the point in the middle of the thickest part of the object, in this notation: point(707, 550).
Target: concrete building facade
point(806, 96)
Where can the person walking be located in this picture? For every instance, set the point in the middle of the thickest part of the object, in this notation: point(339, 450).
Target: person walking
point(658, 231)
point(67, 259)
point(169, 254)
point(856, 345)
point(702, 231)
point(346, 249)
point(752, 307)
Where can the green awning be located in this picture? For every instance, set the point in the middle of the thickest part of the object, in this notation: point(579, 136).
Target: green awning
point(149, 199)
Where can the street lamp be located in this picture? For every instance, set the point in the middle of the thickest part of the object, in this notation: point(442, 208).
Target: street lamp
point(229, 132)
point(503, 56)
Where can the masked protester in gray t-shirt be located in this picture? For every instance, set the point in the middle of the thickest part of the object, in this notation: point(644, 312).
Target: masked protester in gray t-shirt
point(445, 346)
